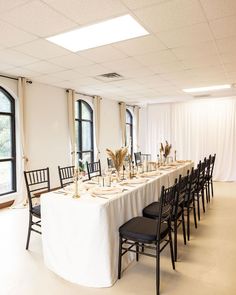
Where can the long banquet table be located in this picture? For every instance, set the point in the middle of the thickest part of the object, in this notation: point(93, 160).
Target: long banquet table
point(80, 236)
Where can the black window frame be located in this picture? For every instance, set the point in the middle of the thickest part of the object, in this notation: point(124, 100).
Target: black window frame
point(12, 159)
point(79, 121)
point(130, 125)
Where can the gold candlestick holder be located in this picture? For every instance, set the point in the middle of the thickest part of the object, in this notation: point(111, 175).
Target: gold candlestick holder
point(76, 176)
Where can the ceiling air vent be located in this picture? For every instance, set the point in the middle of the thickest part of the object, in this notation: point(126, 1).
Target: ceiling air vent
point(202, 96)
point(109, 77)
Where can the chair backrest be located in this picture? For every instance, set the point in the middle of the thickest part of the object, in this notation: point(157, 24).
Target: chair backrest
point(167, 199)
point(94, 169)
point(201, 174)
point(138, 158)
point(37, 182)
point(66, 175)
point(191, 186)
point(182, 187)
point(212, 165)
point(208, 166)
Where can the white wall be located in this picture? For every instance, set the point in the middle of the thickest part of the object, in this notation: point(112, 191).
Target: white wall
point(47, 134)
point(110, 136)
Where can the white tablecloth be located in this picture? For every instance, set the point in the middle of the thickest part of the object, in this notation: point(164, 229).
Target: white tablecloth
point(80, 236)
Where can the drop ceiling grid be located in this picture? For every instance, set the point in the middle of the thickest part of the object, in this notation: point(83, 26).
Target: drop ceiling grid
point(179, 50)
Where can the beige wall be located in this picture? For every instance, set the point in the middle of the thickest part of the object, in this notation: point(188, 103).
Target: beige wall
point(47, 134)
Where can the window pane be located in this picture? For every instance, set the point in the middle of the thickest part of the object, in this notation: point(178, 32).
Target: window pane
point(87, 157)
point(86, 136)
point(6, 177)
point(5, 104)
point(5, 136)
point(128, 117)
point(77, 134)
point(86, 112)
point(76, 110)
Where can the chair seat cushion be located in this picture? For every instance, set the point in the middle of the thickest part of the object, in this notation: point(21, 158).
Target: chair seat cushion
point(152, 211)
point(36, 211)
point(142, 229)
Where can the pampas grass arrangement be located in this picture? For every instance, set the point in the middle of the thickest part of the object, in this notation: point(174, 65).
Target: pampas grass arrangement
point(117, 157)
point(165, 149)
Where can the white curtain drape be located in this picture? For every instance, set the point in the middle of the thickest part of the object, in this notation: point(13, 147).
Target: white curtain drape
point(97, 112)
point(196, 129)
point(157, 129)
point(23, 159)
point(71, 123)
point(136, 125)
point(122, 107)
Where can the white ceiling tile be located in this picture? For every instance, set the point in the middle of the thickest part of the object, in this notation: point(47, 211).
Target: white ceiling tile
point(134, 4)
point(5, 66)
point(38, 18)
point(11, 36)
point(66, 75)
point(231, 67)
point(232, 76)
point(169, 15)
point(122, 64)
point(228, 57)
point(155, 58)
point(42, 49)
point(207, 60)
point(140, 45)
point(44, 67)
point(21, 72)
point(15, 58)
point(196, 51)
point(218, 8)
point(227, 45)
point(71, 61)
point(186, 36)
point(102, 54)
point(224, 27)
point(153, 81)
point(136, 72)
point(10, 4)
point(48, 79)
point(88, 11)
point(175, 66)
point(92, 70)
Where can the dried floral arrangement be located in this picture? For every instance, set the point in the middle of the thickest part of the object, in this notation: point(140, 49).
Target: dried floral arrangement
point(117, 157)
point(165, 149)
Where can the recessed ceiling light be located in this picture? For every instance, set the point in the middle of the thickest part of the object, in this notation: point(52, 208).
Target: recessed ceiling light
point(209, 88)
point(106, 32)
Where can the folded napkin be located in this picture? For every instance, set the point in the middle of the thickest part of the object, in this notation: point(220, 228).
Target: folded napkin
point(151, 173)
point(136, 181)
point(88, 185)
point(105, 190)
point(183, 161)
point(165, 167)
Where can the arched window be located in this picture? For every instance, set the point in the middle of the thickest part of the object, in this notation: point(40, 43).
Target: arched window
point(84, 130)
point(7, 143)
point(129, 131)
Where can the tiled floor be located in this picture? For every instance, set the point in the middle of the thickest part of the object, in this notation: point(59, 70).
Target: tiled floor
point(206, 266)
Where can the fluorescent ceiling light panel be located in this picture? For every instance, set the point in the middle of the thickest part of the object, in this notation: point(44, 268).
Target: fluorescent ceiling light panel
point(106, 32)
point(209, 88)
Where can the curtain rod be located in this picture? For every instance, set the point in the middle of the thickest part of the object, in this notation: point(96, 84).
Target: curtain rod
point(14, 78)
point(84, 94)
point(131, 105)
